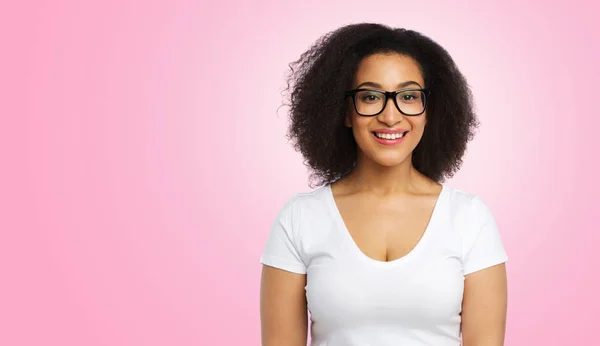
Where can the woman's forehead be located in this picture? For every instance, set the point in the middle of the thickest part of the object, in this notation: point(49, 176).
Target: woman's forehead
point(388, 70)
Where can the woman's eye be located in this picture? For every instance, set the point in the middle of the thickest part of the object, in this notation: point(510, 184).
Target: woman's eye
point(409, 97)
point(370, 98)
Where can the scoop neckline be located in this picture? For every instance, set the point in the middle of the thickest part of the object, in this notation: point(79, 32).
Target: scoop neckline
point(413, 252)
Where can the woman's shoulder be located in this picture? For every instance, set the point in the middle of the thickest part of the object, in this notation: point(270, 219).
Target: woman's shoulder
point(474, 222)
point(302, 202)
point(468, 208)
point(306, 198)
point(462, 198)
point(304, 214)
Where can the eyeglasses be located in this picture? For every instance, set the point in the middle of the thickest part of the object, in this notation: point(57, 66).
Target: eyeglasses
point(370, 102)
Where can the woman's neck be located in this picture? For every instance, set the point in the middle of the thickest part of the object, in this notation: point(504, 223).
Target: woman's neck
point(371, 177)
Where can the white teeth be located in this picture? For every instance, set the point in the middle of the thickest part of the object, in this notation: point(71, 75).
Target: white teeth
point(389, 135)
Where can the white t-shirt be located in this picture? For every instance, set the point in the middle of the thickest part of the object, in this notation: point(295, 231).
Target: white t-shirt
point(355, 300)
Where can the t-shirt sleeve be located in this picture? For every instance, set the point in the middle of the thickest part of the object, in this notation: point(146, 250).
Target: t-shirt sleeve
point(483, 246)
point(281, 250)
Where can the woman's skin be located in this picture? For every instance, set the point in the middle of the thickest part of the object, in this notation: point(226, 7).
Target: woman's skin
point(384, 189)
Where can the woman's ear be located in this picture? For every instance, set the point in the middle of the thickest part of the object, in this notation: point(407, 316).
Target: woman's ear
point(348, 119)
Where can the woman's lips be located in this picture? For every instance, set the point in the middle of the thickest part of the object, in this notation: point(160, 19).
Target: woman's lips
point(389, 141)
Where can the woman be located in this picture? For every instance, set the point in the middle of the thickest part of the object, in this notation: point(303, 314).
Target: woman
point(382, 253)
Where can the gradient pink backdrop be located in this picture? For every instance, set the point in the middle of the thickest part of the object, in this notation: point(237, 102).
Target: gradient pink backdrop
point(144, 159)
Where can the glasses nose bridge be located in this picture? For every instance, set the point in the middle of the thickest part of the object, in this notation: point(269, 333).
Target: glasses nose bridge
point(391, 96)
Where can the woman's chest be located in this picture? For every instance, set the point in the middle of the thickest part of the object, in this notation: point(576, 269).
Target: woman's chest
point(347, 288)
point(385, 232)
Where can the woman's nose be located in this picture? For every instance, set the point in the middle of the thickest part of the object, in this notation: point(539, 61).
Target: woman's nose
point(390, 114)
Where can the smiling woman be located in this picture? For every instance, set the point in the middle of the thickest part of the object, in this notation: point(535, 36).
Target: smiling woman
point(383, 252)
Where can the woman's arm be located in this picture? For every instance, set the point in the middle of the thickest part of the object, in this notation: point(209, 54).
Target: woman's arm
point(283, 312)
point(484, 307)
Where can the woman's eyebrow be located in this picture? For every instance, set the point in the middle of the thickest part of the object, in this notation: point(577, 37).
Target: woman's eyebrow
point(377, 85)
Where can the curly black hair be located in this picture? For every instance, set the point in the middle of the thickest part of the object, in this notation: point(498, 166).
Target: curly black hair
point(321, 76)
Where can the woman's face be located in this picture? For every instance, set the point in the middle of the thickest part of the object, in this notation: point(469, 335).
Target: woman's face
point(388, 72)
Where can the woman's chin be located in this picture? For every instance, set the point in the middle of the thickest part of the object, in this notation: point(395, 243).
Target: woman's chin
point(390, 159)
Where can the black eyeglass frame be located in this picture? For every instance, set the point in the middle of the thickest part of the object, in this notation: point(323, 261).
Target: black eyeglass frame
point(388, 95)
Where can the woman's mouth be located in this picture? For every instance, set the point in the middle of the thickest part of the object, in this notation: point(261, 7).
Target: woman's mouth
point(389, 138)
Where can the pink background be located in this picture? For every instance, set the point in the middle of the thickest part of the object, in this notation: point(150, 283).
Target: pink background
point(144, 159)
